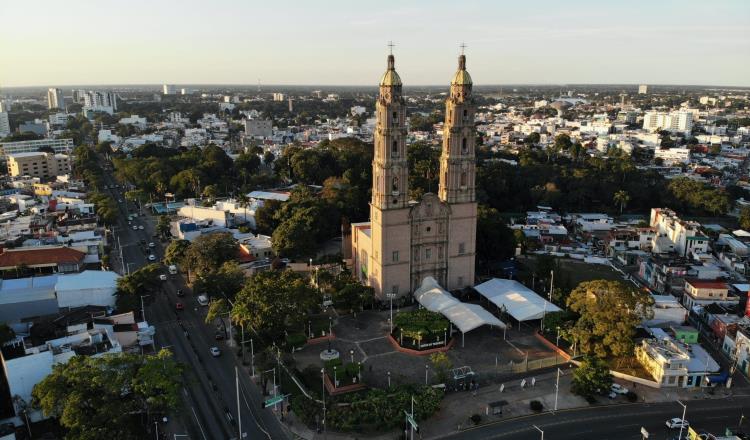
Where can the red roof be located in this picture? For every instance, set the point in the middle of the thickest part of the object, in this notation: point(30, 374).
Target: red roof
point(40, 256)
point(707, 284)
point(244, 255)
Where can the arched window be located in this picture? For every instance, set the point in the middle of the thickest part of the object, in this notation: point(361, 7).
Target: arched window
point(463, 178)
point(395, 183)
point(463, 145)
point(394, 148)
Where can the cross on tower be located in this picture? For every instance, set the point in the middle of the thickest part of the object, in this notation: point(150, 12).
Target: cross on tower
point(462, 46)
point(390, 47)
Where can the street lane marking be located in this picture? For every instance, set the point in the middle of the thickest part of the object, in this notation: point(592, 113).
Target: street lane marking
point(198, 422)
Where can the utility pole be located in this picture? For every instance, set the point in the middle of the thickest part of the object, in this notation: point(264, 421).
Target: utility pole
point(557, 386)
point(682, 425)
point(239, 411)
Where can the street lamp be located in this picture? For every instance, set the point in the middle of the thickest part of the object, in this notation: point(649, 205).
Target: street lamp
point(682, 425)
point(323, 397)
point(143, 310)
point(335, 380)
point(389, 379)
point(351, 352)
point(426, 372)
point(538, 429)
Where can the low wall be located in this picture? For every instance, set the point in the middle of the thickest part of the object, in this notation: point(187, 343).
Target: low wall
point(639, 380)
point(547, 343)
point(420, 352)
point(333, 391)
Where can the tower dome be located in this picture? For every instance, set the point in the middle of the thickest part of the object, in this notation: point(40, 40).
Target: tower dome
point(390, 77)
point(462, 77)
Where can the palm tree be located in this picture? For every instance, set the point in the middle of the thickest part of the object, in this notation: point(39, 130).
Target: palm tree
point(244, 200)
point(621, 198)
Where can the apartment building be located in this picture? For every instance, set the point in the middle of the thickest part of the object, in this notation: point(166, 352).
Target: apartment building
point(63, 146)
point(674, 364)
point(55, 98)
point(675, 235)
point(38, 164)
point(679, 121)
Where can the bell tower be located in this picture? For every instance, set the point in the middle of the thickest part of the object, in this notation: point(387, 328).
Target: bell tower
point(389, 209)
point(458, 176)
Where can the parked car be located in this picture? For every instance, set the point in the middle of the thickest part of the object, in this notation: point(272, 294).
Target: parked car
point(215, 352)
point(151, 245)
point(180, 292)
point(203, 300)
point(677, 423)
point(140, 227)
point(162, 276)
point(135, 227)
point(143, 241)
point(219, 335)
point(152, 257)
point(619, 389)
point(179, 306)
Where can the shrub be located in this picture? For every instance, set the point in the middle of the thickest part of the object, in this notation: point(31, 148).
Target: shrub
point(536, 405)
point(631, 396)
point(476, 419)
point(296, 340)
point(332, 363)
point(591, 399)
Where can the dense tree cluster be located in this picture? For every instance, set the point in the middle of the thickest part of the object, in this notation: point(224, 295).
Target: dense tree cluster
point(112, 396)
point(186, 173)
point(144, 281)
point(589, 184)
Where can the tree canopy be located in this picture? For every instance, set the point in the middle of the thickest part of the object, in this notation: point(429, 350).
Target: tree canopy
point(144, 281)
point(609, 313)
point(209, 251)
point(109, 396)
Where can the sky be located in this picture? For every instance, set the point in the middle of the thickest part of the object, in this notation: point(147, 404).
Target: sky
point(58, 43)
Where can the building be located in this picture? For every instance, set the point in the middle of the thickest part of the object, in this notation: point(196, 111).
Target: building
point(4, 124)
point(642, 89)
point(169, 89)
point(39, 164)
point(674, 235)
point(55, 99)
point(673, 156)
point(679, 121)
point(37, 126)
point(279, 97)
point(97, 101)
point(63, 146)
point(42, 259)
point(675, 364)
point(406, 242)
point(135, 121)
point(737, 346)
point(258, 128)
point(701, 292)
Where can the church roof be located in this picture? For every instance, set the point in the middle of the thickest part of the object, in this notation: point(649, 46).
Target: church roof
point(461, 77)
point(390, 77)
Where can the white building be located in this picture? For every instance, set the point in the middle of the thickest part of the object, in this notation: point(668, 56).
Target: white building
point(679, 121)
point(55, 98)
point(673, 156)
point(4, 124)
point(134, 120)
point(169, 89)
point(676, 235)
point(675, 364)
point(59, 118)
point(642, 89)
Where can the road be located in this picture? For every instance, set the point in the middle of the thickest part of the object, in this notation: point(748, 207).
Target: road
point(617, 422)
point(210, 394)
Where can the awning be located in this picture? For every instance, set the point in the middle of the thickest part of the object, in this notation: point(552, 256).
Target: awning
point(465, 317)
point(522, 303)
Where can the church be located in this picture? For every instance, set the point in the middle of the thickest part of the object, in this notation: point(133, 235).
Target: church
point(406, 241)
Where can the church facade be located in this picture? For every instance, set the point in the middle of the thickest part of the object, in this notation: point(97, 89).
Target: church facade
point(406, 241)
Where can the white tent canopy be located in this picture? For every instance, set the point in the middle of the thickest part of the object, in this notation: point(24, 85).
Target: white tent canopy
point(465, 317)
point(522, 303)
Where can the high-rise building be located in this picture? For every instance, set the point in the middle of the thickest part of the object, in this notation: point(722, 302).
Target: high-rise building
point(4, 124)
point(278, 96)
point(679, 121)
point(405, 242)
point(55, 98)
point(169, 89)
point(95, 100)
point(642, 89)
point(78, 95)
point(39, 164)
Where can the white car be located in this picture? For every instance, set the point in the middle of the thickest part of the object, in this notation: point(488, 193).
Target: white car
point(140, 227)
point(152, 245)
point(215, 352)
point(152, 257)
point(135, 227)
point(619, 389)
point(677, 423)
point(163, 277)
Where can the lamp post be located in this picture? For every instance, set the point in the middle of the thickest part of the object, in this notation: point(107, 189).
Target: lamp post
point(682, 425)
point(426, 372)
point(389, 379)
point(390, 320)
point(323, 397)
point(335, 380)
point(557, 386)
point(538, 429)
point(143, 310)
point(445, 336)
point(351, 352)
